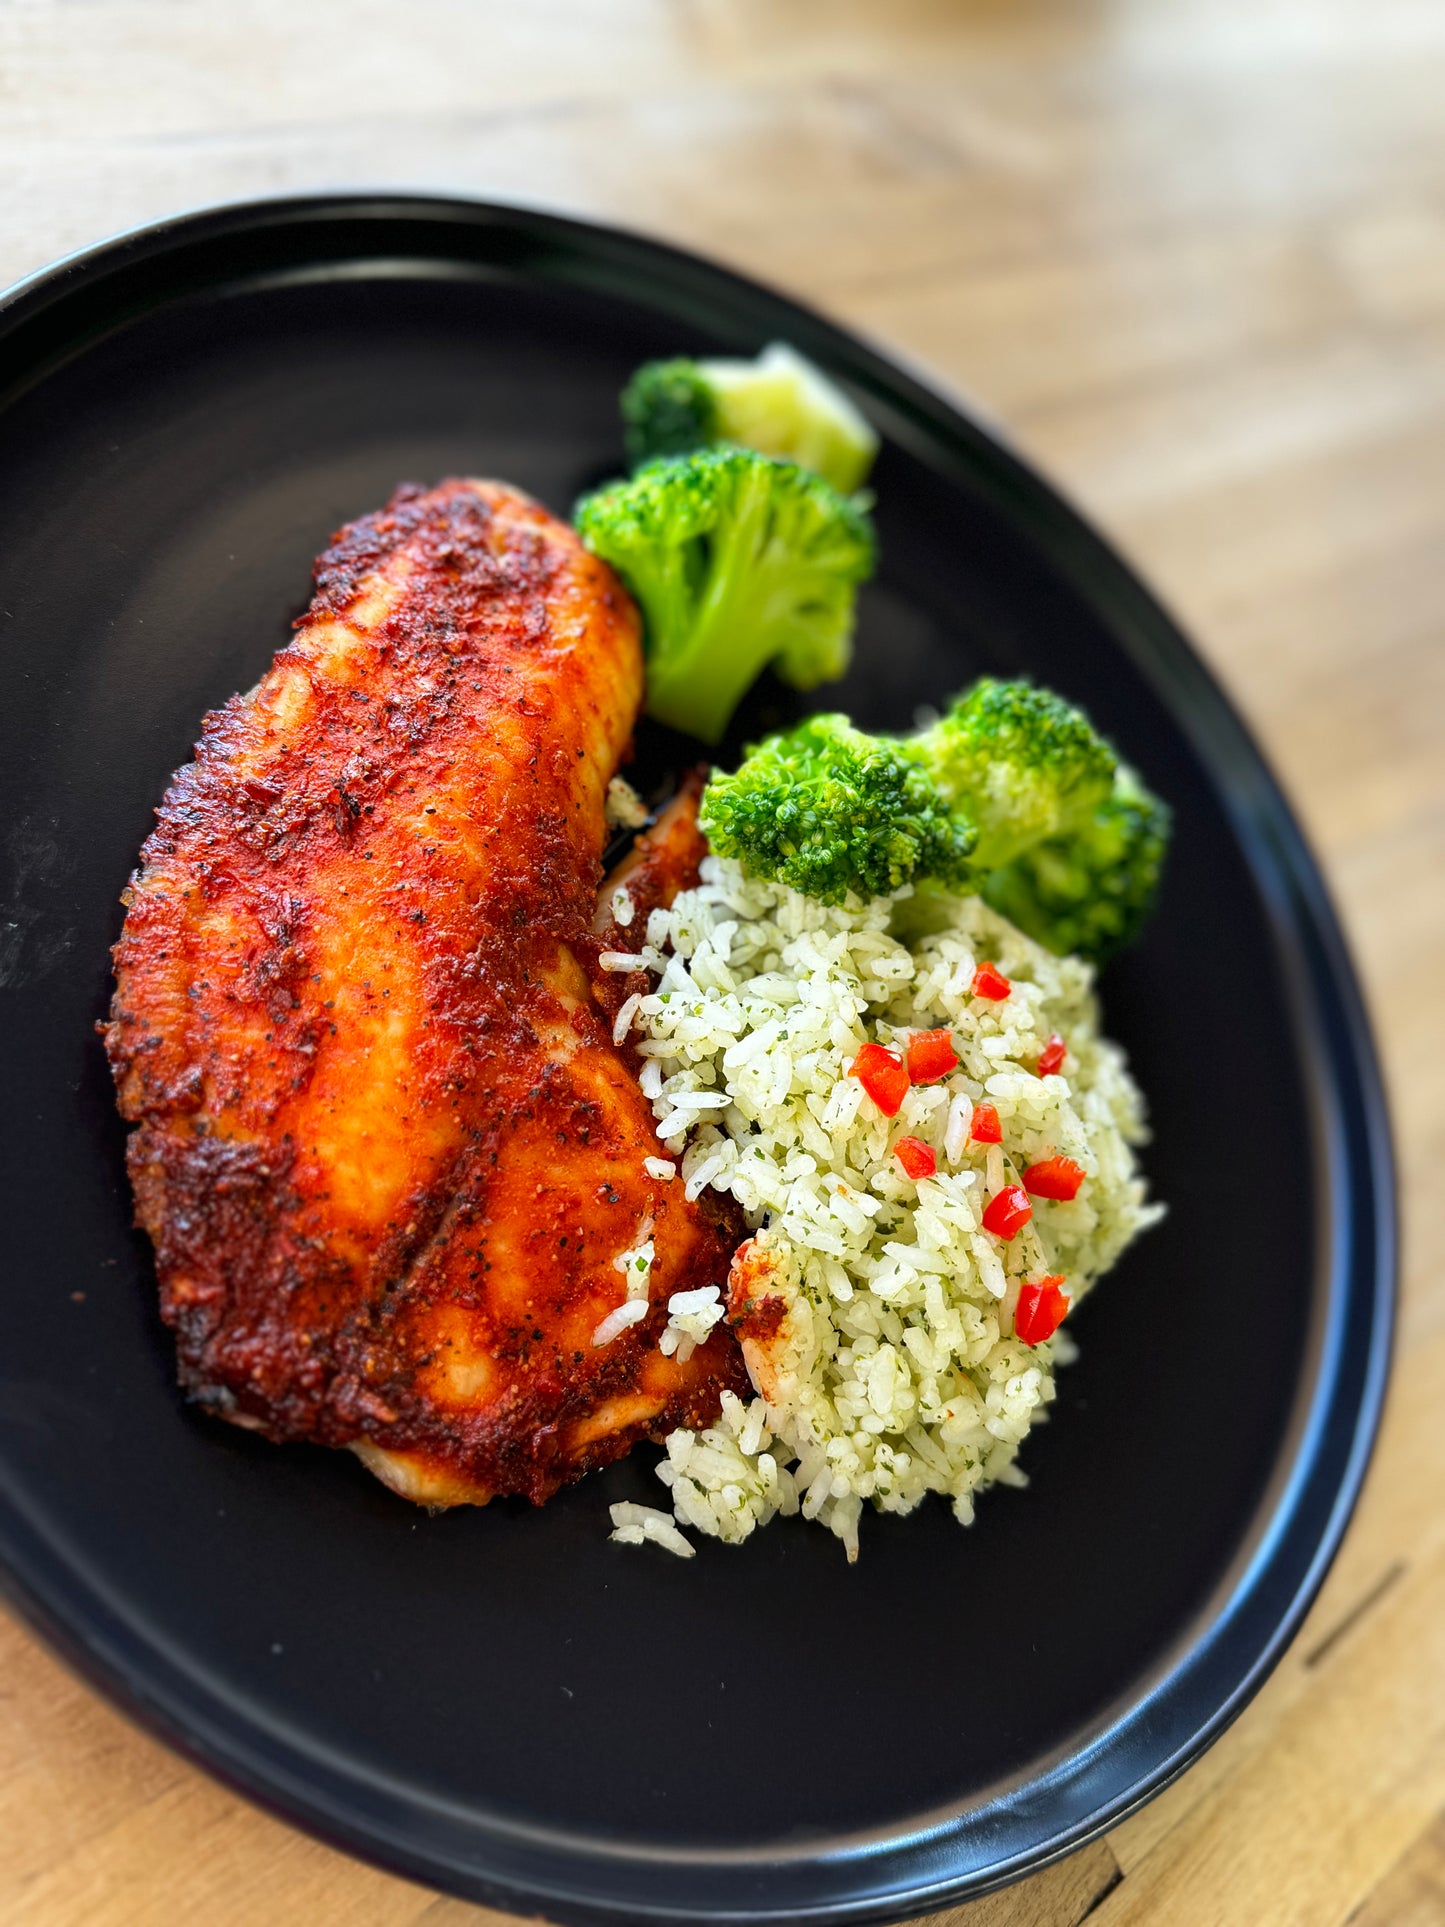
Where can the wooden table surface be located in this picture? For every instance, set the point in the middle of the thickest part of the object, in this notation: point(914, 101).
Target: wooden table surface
point(1191, 255)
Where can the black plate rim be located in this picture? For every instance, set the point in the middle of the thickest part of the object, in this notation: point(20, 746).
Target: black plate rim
point(1224, 1660)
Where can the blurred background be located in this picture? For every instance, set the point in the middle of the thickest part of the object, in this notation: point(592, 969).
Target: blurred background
point(1190, 255)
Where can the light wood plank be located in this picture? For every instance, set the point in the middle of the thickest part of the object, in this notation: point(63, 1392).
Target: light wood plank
point(1414, 1893)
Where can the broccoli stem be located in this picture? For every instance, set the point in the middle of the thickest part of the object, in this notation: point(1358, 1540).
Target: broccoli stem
point(698, 686)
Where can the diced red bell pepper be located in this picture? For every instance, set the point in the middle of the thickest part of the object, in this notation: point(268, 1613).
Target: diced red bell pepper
point(1006, 1214)
point(1051, 1057)
point(918, 1159)
point(989, 981)
point(883, 1077)
point(1054, 1178)
point(931, 1055)
point(986, 1128)
point(1040, 1311)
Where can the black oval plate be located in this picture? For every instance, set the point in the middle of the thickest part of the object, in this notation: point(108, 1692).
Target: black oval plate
point(501, 1702)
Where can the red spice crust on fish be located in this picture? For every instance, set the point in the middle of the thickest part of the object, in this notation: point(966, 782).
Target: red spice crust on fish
point(383, 1141)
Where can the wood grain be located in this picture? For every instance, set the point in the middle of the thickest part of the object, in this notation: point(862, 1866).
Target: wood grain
point(1192, 258)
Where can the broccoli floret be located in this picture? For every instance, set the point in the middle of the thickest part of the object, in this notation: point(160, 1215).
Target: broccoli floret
point(668, 409)
point(828, 809)
point(779, 405)
point(1091, 891)
point(1024, 763)
point(737, 562)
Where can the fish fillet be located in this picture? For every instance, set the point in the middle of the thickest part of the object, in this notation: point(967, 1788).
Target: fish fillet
point(383, 1142)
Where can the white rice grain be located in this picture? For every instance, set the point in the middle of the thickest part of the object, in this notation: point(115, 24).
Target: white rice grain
point(635, 1525)
point(622, 1023)
point(616, 1322)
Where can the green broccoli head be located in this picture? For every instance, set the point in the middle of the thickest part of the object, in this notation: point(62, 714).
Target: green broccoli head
point(1090, 891)
point(668, 408)
point(737, 562)
point(779, 404)
point(829, 810)
point(1024, 763)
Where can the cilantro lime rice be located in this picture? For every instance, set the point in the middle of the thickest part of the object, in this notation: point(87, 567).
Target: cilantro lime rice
point(883, 1323)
